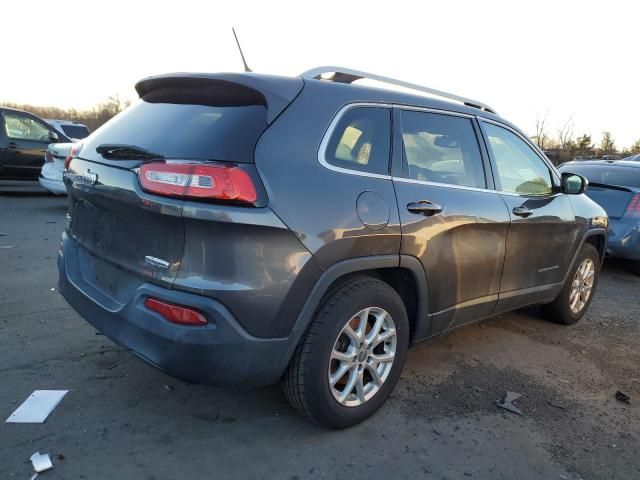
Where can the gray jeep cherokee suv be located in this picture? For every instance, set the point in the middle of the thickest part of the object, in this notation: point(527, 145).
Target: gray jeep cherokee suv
point(246, 229)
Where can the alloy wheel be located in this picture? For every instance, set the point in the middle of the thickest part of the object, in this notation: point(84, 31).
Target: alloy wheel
point(362, 356)
point(582, 285)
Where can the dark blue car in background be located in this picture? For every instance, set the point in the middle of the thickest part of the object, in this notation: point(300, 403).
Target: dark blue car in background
point(615, 185)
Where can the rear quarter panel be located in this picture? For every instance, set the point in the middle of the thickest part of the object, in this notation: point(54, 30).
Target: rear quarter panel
point(318, 204)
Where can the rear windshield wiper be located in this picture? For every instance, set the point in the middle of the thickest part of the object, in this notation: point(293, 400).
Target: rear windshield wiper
point(126, 152)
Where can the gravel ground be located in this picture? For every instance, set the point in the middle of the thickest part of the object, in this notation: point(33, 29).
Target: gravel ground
point(124, 419)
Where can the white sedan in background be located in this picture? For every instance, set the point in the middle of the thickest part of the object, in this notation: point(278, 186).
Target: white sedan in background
point(54, 157)
point(51, 173)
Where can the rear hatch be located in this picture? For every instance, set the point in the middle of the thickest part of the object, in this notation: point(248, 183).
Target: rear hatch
point(613, 198)
point(190, 119)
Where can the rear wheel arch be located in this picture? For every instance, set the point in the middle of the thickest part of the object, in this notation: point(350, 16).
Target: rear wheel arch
point(404, 274)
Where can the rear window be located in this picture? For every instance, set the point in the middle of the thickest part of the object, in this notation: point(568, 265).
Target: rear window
point(361, 140)
point(75, 131)
point(192, 124)
point(608, 175)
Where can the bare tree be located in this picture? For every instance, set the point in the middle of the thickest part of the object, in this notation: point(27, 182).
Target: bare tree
point(541, 136)
point(565, 134)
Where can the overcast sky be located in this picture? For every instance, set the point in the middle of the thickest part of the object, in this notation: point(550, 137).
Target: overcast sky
point(526, 59)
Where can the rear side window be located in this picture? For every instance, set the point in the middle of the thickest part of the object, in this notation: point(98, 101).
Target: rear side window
point(189, 123)
point(361, 140)
point(441, 148)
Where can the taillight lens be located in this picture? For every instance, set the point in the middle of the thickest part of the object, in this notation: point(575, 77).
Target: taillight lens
point(176, 313)
point(48, 157)
point(75, 150)
point(633, 209)
point(198, 180)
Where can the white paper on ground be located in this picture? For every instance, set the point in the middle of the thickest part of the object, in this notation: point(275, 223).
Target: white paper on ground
point(37, 407)
point(41, 462)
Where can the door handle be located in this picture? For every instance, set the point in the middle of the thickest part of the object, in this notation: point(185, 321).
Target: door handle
point(12, 145)
point(424, 207)
point(523, 212)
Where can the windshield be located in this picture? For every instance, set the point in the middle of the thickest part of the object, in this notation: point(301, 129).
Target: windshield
point(606, 174)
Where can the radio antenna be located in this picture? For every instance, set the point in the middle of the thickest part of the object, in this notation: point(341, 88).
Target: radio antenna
point(246, 67)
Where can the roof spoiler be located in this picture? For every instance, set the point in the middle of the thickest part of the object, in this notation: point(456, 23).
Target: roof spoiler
point(251, 88)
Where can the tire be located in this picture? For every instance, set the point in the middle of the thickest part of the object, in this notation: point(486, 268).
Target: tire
point(306, 380)
point(560, 310)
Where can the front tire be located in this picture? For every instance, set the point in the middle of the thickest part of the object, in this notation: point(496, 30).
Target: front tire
point(351, 356)
point(578, 291)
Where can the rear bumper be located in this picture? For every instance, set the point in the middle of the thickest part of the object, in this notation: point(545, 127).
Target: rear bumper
point(624, 240)
point(54, 186)
point(220, 353)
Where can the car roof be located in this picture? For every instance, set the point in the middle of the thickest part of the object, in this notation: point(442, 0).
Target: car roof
point(605, 163)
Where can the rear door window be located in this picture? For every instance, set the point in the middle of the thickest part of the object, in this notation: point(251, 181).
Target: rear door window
point(361, 140)
point(442, 149)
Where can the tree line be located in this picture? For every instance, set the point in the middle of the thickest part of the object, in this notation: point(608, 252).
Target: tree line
point(563, 145)
point(92, 118)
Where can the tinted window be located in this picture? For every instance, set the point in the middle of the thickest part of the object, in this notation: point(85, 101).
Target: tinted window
point(185, 131)
point(23, 127)
point(605, 174)
point(442, 148)
point(520, 169)
point(361, 140)
point(75, 131)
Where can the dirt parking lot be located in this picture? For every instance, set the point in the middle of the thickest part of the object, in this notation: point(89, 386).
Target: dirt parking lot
point(123, 419)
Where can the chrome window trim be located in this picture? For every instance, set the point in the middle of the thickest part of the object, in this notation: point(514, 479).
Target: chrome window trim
point(443, 185)
point(435, 110)
point(329, 133)
point(338, 116)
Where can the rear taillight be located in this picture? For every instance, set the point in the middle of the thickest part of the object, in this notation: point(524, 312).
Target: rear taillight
point(176, 313)
point(198, 180)
point(48, 157)
point(633, 209)
point(75, 150)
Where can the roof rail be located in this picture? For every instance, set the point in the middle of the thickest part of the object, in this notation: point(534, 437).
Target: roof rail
point(348, 75)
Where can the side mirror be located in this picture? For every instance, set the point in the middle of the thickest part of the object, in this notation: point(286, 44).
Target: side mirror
point(53, 137)
point(573, 184)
